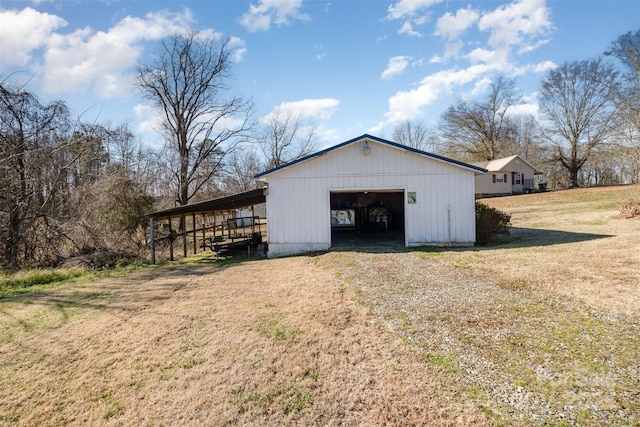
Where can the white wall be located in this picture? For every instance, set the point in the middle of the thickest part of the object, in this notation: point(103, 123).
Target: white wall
point(486, 186)
point(298, 198)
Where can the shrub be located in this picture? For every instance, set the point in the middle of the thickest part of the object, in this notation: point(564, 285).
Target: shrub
point(629, 208)
point(489, 223)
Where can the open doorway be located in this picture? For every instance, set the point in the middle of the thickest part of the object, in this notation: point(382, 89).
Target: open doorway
point(367, 218)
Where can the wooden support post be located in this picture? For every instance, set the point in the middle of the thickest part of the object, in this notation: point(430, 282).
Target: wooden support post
point(253, 220)
point(170, 240)
point(152, 238)
point(204, 232)
point(184, 235)
point(195, 241)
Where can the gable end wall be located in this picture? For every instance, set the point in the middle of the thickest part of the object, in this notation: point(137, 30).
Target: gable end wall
point(298, 198)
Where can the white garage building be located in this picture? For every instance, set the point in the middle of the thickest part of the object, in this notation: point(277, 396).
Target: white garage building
point(369, 189)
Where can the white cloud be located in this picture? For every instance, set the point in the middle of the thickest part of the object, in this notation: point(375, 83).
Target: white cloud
point(529, 47)
point(279, 12)
point(436, 59)
point(239, 49)
point(407, 28)
point(479, 88)
point(511, 29)
point(396, 66)
point(499, 57)
point(327, 137)
point(516, 23)
point(406, 105)
point(238, 55)
point(545, 66)
point(100, 60)
point(22, 32)
point(527, 108)
point(412, 12)
point(149, 119)
point(453, 26)
point(322, 108)
point(408, 8)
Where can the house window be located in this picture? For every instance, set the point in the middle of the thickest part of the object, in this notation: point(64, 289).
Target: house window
point(500, 178)
point(517, 179)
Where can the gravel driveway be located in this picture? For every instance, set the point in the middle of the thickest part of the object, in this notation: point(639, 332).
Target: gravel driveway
point(524, 356)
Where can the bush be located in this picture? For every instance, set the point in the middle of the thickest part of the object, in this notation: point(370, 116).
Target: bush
point(629, 208)
point(490, 222)
point(99, 259)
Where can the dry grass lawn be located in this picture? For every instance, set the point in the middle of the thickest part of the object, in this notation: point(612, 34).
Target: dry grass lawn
point(541, 329)
point(255, 343)
point(573, 242)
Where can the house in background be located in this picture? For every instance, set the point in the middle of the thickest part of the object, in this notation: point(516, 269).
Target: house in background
point(507, 176)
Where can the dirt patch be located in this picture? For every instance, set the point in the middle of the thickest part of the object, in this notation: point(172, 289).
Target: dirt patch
point(268, 342)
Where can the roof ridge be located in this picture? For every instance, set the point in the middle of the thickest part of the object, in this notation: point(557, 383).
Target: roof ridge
point(377, 139)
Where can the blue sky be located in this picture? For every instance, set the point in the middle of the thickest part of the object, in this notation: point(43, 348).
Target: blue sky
point(351, 67)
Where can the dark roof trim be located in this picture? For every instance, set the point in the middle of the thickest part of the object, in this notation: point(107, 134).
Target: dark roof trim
point(235, 201)
point(380, 140)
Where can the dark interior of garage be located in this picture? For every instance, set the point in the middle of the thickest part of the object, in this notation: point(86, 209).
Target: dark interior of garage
point(367, 218)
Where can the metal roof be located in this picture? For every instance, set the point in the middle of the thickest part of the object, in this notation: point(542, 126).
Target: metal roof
point(500, 164)
point(376, 139)
point(235, 201)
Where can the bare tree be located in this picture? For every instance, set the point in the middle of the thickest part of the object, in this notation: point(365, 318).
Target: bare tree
point(527, 136)
point(481, 130)
point(626, 49)
point(286, 137)
point(413, 134)
point(186, 82)
point(32, 167)
point(122, 148)
point(240, 169)
point(109, 214)
point(577, 100)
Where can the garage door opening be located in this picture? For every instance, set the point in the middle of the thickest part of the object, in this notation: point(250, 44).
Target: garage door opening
point(367, 218)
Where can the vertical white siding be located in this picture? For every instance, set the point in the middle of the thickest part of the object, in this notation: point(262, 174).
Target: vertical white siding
point(298, 199)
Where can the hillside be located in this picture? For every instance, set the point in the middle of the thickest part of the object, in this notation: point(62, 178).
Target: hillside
point(573, 242)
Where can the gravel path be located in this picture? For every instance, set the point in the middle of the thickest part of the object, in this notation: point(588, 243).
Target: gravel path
point(524, 356)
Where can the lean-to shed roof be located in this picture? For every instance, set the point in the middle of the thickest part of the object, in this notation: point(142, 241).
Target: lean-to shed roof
point(235, 201)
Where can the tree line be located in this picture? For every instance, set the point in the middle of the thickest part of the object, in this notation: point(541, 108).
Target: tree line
point(587, 132)
point(70, 187)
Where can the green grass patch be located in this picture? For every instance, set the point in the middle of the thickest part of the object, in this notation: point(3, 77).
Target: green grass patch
point(36, 280)
point(294, 399)
point(32, 281)
point(273, 326)
point(447, 362)
point(428, 253)
point(291, 397)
